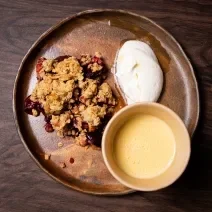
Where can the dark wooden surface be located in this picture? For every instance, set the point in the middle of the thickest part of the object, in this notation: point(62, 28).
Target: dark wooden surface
point(24, 187)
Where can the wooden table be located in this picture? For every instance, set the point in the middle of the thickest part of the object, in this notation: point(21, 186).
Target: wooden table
point(24, 187)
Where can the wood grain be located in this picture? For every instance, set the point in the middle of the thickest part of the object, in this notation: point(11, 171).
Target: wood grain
point(24, 187)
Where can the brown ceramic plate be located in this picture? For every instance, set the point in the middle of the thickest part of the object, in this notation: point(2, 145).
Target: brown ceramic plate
point(103, 31)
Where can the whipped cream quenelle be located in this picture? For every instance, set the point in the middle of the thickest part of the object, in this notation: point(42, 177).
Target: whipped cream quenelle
point(138, 72)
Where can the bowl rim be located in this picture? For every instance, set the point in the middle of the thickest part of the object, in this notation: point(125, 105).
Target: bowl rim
point(117, 115)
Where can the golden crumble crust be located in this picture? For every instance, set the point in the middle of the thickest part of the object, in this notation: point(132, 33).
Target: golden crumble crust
point(72, 96)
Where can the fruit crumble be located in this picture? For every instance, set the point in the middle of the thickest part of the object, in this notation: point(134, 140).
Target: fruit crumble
point(73, 97)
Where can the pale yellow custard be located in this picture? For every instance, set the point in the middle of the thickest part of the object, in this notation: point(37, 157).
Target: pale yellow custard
point(144, 146)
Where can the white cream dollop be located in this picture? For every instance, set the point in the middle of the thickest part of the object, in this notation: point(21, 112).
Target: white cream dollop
point(138, 72)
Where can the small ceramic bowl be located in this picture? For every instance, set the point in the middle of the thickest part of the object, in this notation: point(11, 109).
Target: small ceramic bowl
point(182, 151)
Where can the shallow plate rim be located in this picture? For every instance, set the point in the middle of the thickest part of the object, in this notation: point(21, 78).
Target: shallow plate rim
point(44, 35)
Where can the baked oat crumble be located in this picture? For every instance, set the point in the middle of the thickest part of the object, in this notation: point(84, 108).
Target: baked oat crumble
point(47, 156)
point(60, 144)
point(73, 97)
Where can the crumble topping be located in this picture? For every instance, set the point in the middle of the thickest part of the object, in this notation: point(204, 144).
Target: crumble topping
point(85, 59)
point(58, 122)
point(93, 115)
point(89, 89)
point(73, 97)
point(47, 156)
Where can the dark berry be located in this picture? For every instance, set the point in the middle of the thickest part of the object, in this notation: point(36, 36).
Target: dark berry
point(94, 138)
point(47, 119)
point(71, 160)
point(29, 105)
point(39, 64)
point(48, 127)
point(97, 60)
point(61, 58)
point(76, 92)
point(85, 125)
